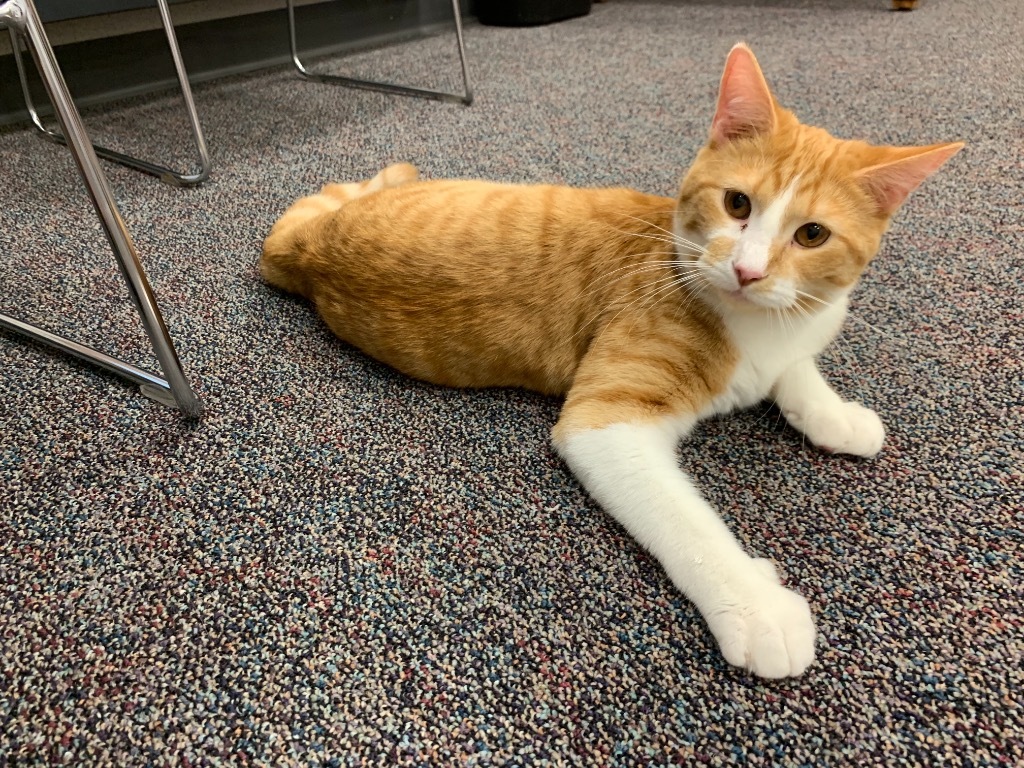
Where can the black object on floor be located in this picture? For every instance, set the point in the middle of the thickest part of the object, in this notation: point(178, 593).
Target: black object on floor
point(525, 13)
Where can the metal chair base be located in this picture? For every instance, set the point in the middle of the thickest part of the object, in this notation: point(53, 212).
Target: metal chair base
point(464, 98)
point(167, 175)
point(172, 388)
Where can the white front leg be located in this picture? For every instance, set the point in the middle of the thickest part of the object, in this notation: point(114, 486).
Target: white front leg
point(632, 471)
point(831, 423)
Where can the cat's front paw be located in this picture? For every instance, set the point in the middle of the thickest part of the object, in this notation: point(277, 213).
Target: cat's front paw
point(769, 633)
point(847, 428)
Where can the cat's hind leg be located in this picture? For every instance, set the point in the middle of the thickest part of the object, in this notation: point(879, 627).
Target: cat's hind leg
point(281, 262)
point(392, 176)
point(332, 196)
point(286, 247)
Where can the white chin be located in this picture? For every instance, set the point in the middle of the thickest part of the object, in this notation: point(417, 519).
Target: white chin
point(752, 299)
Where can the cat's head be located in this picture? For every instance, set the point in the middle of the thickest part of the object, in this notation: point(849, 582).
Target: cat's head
point(786, 215)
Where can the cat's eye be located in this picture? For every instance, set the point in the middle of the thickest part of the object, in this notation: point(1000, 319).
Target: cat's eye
point(737, 204)
point(812, 235)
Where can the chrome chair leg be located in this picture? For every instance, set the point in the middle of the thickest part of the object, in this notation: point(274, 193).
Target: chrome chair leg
point(464, 98)
point(176, 178)
point(172, 388)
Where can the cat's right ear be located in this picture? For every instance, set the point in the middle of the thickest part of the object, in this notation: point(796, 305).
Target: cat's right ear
point(746, 107)
point(895, 172)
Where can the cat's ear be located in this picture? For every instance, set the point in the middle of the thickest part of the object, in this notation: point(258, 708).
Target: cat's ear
point(746, 107)
point(897, 171)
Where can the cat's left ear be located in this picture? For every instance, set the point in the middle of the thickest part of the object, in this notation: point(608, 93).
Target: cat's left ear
point(900, 170)
point(746, 107)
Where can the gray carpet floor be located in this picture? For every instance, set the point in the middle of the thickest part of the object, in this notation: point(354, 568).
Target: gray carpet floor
point(340, 566)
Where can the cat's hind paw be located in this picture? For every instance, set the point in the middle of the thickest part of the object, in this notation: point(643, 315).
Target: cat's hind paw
point(336, 195)
point(771, 634)
point(848, 428)
point(392, 176)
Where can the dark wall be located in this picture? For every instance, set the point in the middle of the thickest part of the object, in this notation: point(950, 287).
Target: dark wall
point(102, 70)
point(58, 10)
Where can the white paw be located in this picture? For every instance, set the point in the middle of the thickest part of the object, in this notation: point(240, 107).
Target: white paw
point(848, 428)
point(770, 632)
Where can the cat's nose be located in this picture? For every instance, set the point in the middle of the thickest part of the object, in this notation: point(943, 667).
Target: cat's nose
point(747, 275)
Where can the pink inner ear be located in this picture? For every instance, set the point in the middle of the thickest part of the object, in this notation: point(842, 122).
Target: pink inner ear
point(890, 183)
point(745, 104)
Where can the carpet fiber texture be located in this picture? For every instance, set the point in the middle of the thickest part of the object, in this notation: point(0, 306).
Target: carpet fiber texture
point(341, 566)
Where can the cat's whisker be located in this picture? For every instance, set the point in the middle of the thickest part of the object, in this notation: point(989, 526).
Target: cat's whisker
point(646, 287)
point(812, 297)
point(848, 363)
point(663, 286)
point(668, 232)
point(670, 236)
point(692, 276)
point(681, 247)
point(798, 309)
point(682, 273)
point(632, 233)
point(636, 267)
point(683, 243)
point(656, 296)
point(880, 332)
point(692, 267)
point(633, 269)
point(787, 321)
point(674, 236)
point(604, 281)
point(804, 302)
point(695, 274)
point(648, 236)
point(905, 343)
point(696, 279)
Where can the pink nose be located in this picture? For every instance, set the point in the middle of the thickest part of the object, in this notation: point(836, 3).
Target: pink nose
point(747, 275)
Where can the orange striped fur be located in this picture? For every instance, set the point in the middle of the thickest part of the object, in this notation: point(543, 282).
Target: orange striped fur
point(475, 284)
point(647, 313)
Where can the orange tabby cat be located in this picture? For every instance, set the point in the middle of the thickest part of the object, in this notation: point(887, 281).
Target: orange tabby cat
point(647, 313)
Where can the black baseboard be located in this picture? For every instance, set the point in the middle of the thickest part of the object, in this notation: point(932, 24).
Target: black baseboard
point(100, 71)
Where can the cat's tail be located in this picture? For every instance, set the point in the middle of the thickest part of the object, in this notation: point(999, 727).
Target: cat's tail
point(284, 250)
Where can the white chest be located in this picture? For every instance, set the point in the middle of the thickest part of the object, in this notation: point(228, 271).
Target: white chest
point(767, 346)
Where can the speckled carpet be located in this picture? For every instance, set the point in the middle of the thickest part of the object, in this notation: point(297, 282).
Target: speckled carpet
point(340, 566)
